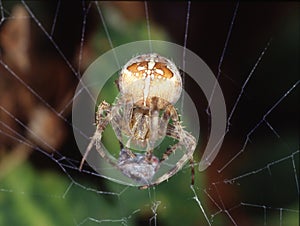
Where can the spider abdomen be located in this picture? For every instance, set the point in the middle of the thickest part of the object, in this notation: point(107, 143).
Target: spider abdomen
point(150, 75)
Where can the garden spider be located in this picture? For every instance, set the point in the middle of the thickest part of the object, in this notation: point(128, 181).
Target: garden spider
point(144, 114)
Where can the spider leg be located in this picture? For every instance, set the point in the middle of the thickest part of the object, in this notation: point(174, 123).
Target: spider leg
point(139, 127)
point(186, 140)
point(117, 121)
point(103, 117)
point(154, 126)
point(127, 106)
point(158, 124)
point(122, 114)
point(169, 112)
point(103, 153)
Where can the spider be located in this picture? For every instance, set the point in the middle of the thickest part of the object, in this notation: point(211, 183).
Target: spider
point(142, 115)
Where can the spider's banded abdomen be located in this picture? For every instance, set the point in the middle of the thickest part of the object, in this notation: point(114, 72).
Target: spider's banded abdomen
point(150, 75)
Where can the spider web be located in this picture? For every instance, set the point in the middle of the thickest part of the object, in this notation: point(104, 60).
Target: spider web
point(253, 51)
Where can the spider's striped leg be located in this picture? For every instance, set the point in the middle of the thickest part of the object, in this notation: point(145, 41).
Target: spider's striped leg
point(185, 140)
point(127, 105)
point(158, 124)
point(103, 117)
point(138, 129)
point(154, 127)
point(122, 113)
point(169, 113)
point(172, 171)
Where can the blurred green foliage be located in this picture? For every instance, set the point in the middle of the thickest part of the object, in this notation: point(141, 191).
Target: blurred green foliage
point(29, 197)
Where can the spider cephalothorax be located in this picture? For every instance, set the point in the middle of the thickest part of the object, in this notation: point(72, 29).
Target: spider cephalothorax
point(142, 116)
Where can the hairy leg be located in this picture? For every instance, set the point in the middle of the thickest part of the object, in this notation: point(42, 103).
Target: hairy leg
point(154, 124)
point(103, 117)
point(187, 141)
point(122, 113)
point(118, 121)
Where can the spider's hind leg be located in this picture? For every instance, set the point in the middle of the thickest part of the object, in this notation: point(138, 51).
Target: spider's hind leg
point(187, 141)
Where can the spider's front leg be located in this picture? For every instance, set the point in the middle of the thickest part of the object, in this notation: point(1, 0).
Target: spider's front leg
point(103, 117)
